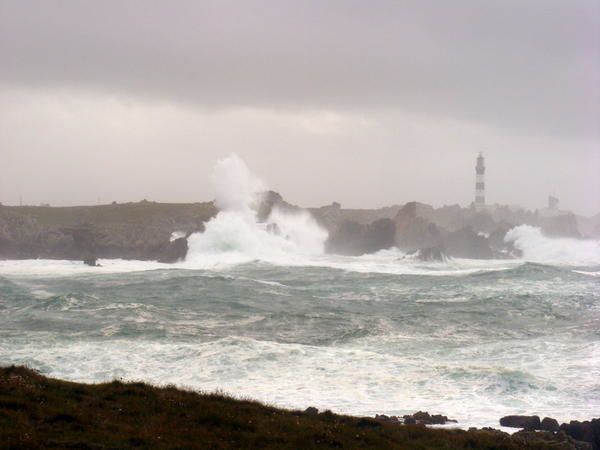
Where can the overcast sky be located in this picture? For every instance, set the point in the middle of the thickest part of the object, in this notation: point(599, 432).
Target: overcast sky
point(368, 103)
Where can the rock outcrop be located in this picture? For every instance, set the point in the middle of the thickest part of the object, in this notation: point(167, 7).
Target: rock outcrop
point(529, 438)
point(466, 243)
point(143, 230)
point(526, 422)
point(587, 431)
point(577, 432)
point(423, 417)
point(413, 232)
point(269, 200)
point(499, 245)
point(352, 238)
point(549, 424)
point(174, 251)
point(129, 231)
point(431, 254)
point(333, 215)
point(91, 261)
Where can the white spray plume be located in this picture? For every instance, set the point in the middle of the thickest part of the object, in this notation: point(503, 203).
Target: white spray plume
point(539, 248)
point(236, 188)
point(235, 236)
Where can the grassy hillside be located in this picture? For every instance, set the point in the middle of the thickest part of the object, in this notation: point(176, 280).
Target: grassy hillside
point(129, 230)
point(38, 412)
point(106, 214)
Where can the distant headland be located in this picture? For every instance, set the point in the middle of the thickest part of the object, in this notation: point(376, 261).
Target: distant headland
point(149, 230)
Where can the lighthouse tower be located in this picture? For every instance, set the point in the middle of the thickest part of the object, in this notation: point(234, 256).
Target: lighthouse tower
point(480, 182)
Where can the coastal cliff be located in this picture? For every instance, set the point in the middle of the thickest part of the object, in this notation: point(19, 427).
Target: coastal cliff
point(141, 230)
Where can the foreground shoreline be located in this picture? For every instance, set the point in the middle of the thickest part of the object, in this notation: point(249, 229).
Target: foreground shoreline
point(41, 412)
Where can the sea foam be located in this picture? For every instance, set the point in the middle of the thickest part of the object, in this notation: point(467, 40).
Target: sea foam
point(539, 248)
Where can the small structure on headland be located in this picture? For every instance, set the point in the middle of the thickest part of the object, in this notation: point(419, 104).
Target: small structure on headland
point(553, 208)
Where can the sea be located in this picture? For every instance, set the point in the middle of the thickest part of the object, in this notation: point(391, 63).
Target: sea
point(267, 315)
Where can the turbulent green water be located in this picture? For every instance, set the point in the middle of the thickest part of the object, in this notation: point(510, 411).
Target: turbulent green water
point(374, 334)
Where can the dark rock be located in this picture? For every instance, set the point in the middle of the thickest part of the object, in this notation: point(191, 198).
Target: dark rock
point(437, 253)
point(346, 240)
point(438, 419)
point(174, 251)
point(499, 246)
point(423, 417)
point(527, 422)
point(409, 420)
point(587, 431)
point(311, 411)
point(414, 232)
point(91, 261)
point(466, 243)
point(384, 418)
point(269, 200)
point(327, 414)
point(560, 440)
point(549, 424)
point(352, 238)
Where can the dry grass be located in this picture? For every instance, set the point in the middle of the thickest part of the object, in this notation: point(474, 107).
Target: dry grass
point(38, 412)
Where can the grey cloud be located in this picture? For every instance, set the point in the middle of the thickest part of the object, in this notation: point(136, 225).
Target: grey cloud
point(373, 102)
point(532, 66)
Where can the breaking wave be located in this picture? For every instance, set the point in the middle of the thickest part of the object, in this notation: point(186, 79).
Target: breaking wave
point(235, 235)
point(538, 248)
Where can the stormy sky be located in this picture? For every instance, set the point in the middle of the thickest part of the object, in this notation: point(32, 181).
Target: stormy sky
point(368, 103)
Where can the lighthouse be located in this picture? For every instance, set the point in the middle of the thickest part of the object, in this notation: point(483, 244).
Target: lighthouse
point(480, 182)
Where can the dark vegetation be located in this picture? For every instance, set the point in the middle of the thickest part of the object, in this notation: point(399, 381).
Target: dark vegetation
point(37, 412)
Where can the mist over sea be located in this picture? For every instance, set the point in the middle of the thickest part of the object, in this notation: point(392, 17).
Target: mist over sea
point(259, 310)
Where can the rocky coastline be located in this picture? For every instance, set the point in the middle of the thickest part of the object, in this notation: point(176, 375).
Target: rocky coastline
point(158, 231)
point(142, 231)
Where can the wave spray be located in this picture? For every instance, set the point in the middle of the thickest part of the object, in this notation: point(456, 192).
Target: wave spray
point(539, 248)
point(236, 236)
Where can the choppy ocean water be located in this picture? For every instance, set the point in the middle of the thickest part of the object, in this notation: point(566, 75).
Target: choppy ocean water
point(474, 340)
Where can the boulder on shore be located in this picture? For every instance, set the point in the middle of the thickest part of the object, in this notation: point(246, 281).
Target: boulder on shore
point(549, 424)
point(527, 422)
point(587, 431)
point(174, 251)
point(527, 438)
point(91, 261)
point(311, 411)
point(385, 418)
point(429, 254)
point(423, 417)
